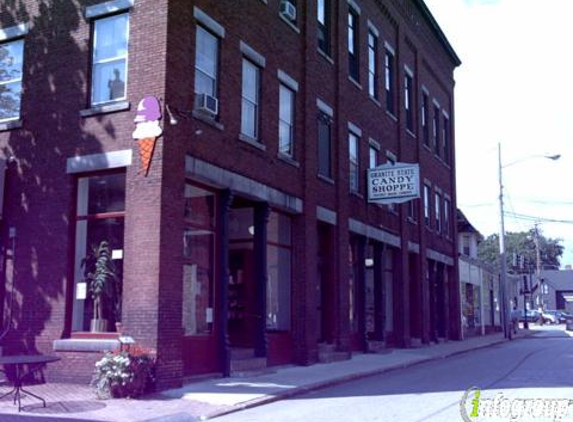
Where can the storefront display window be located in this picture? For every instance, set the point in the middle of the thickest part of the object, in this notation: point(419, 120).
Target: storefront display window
point(279, 255)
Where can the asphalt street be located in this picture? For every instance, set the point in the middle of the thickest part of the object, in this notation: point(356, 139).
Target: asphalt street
point(538, 367)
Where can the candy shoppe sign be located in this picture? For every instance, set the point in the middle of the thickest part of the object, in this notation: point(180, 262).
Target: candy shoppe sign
point(393, 183)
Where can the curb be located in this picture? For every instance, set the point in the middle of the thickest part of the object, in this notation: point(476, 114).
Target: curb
point(298, 391)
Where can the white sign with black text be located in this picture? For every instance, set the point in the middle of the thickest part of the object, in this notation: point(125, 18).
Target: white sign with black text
point(393, 183)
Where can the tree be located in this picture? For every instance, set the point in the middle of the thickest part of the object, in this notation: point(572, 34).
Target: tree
point(522, 243)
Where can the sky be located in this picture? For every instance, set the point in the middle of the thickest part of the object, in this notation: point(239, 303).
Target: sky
point(513, 88)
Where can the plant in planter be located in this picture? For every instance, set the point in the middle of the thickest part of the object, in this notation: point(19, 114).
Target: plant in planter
point(124, 373)
point(101, 277)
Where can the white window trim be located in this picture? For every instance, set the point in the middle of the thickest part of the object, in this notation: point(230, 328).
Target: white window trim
point(355, 6)
point(252, 55)
point(208, 22)
point(390, 49)
point(285, 79)
point(103, 161)
point(436, 103)
point(355, 129)
point(409, 71)
point(446, 114)
point(425, 90)
point(372, 28)
point(102, 9)
point(7, 34)
point(391, 156)
point(325, 108)
point(19, 80)
point(374, 144)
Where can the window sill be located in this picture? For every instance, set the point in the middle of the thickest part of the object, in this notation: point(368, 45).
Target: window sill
point(355, 82)
point(325, 56)
point(94, 345)
point(409, 132)
point(252, 142)
point(412, 221)
point(10, 125)
point(325, 179)
point(391, 116)
point(106, 108)
point(375, 101)
point(356, 194)
point(288, 159)
point(208, 119)
point(289, 23)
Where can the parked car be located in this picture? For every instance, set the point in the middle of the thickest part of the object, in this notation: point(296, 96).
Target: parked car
point(532, 315)
point(560, 316)
point(549, 318)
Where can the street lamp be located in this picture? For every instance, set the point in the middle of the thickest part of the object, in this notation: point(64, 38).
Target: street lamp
point(503, 265)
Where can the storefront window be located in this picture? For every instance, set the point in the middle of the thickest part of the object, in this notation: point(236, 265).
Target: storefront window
point(198, 254)
point(279, 255)
point(99, 220)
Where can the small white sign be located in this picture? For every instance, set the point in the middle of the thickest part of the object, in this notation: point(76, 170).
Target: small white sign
point(117, 254)
point(81, 291)
point(393, 183)
point(209, 315)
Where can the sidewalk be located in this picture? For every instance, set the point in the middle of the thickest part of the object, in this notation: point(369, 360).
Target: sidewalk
point(214, 397)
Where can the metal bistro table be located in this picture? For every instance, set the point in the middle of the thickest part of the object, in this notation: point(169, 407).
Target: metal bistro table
point(34, 362)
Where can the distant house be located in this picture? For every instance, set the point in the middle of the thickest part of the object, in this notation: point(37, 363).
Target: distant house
point(479, 283)
point(555, 291)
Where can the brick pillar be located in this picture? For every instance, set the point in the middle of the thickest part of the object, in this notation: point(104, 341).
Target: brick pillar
point(222, 302)
point(261, 215)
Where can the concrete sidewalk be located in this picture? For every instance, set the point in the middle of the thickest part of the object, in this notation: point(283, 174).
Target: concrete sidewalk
point(214, 397)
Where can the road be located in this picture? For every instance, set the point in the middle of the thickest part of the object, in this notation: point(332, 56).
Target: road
point(538, 367)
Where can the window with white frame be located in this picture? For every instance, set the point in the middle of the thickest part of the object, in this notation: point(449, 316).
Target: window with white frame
point(447, 222)
point(425, 112)
point(413, 210)
point(354, 162)
point(372, 157)
point(286, 120)
point(11, 69)
point(389, 81)
point(324, 145)
point(206, 63)
point(436, 129)
point(109, 63)
point(353, 46)
point(372, 64)
point(408, 100)
point(323, 17)
point(446, 154)
point(250, 99)
point(437, 210)
point(426, 205)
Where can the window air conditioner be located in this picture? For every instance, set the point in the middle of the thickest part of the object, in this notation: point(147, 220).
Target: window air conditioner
point(288, 10)
point(208, 104)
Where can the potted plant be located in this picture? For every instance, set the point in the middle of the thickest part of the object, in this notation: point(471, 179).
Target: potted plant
point(101, 276)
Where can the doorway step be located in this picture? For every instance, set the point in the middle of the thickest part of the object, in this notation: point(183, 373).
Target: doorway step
point(327, 353)
point(245, 364)
point(376, 346)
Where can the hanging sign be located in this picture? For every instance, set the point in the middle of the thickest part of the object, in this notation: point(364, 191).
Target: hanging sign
point(393, 183)
point(147, 129)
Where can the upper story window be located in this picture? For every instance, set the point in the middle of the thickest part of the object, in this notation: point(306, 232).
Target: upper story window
point(409, 100)
point(354, 162)
point(324, 146)
point(372, 157)
point(437, 210)
point(447, 222)
point(426, 205)
point(466, 250)
point(372, 64)
point(425, 112)
point(389, 83)
point(323, 17)
point(250, 99)
point(109, 64)
point(413, 210)
point(206, 67)
point(446, 154)
point(286, 120)
point(353, 46)
point(436, 129)
point(11, 69)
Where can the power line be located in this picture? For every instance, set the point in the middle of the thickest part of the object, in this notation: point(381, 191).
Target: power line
point(536, 218)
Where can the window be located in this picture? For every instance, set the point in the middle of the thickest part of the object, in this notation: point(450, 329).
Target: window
point(391, 159)
point(11, 64)
point(408, 101)
point(99, 218)
point(109, 71)
point(436, 129)
point(206, 63)
point(286, 121)
point(354, 162)
point(198, 260)
point(447, 222)
point(389, 81)
point(372, 65)
point(413, 210)
point(279, 255)
point(425, 116)
point(372, 157)
point(466, 245)
point(437, 210)
point(427, 205)
point(353, 66)
point(323, 17)
point(324, 146)
point(446, 140)
point(250, 100)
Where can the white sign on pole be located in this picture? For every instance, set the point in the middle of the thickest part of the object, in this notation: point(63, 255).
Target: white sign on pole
point(393, 183)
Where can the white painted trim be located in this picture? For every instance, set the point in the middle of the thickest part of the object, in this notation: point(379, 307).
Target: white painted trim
point(391, 156)
point(388, 47)
point(325, 108)
point(374, 144)
point(427, 183)
point(287, 80)
point(371, 232)
point(207, 21)
point(95, 162)
point(425, 90)
point(354, 129)
point(409, 71)
point(252, 55)
point(354, 5)
point(108, 7)
point(325, 215)
point(14, 31)
point(437, 256)
point(446, 114)
point(372, 28)
point(413, 247)
point(436, 103)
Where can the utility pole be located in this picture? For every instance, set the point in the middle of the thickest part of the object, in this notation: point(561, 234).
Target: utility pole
point(537, 259)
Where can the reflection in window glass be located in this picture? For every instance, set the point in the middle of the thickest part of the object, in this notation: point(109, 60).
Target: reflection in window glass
point(206, 62)
point(279, 255)
point(250, 100)
point(11, 63)
point(109, 70)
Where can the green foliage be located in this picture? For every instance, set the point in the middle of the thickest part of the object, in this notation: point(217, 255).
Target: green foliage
point(101, 276)
point(522, 243)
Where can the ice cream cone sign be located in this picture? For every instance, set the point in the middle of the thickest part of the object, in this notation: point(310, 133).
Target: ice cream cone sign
point(147, 130)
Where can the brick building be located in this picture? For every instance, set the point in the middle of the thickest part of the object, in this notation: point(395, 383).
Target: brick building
point(251, 235)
